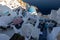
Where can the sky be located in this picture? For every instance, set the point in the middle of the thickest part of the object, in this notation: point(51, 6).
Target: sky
point(45, 6)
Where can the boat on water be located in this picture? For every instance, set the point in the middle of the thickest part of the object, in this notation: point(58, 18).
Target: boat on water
point(19, 22)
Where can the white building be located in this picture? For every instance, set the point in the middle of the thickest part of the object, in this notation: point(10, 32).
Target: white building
point(55, 15)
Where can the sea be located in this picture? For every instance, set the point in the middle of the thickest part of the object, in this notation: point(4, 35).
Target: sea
point(45, 6)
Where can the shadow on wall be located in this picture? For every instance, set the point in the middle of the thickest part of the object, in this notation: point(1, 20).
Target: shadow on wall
point(45, 6)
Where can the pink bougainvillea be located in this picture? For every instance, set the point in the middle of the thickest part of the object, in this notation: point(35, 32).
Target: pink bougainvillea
point(17, 20)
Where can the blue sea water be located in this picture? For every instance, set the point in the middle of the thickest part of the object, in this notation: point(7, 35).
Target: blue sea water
point(45, 6)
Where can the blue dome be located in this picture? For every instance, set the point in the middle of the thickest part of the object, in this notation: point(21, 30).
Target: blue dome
point(32, 9)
